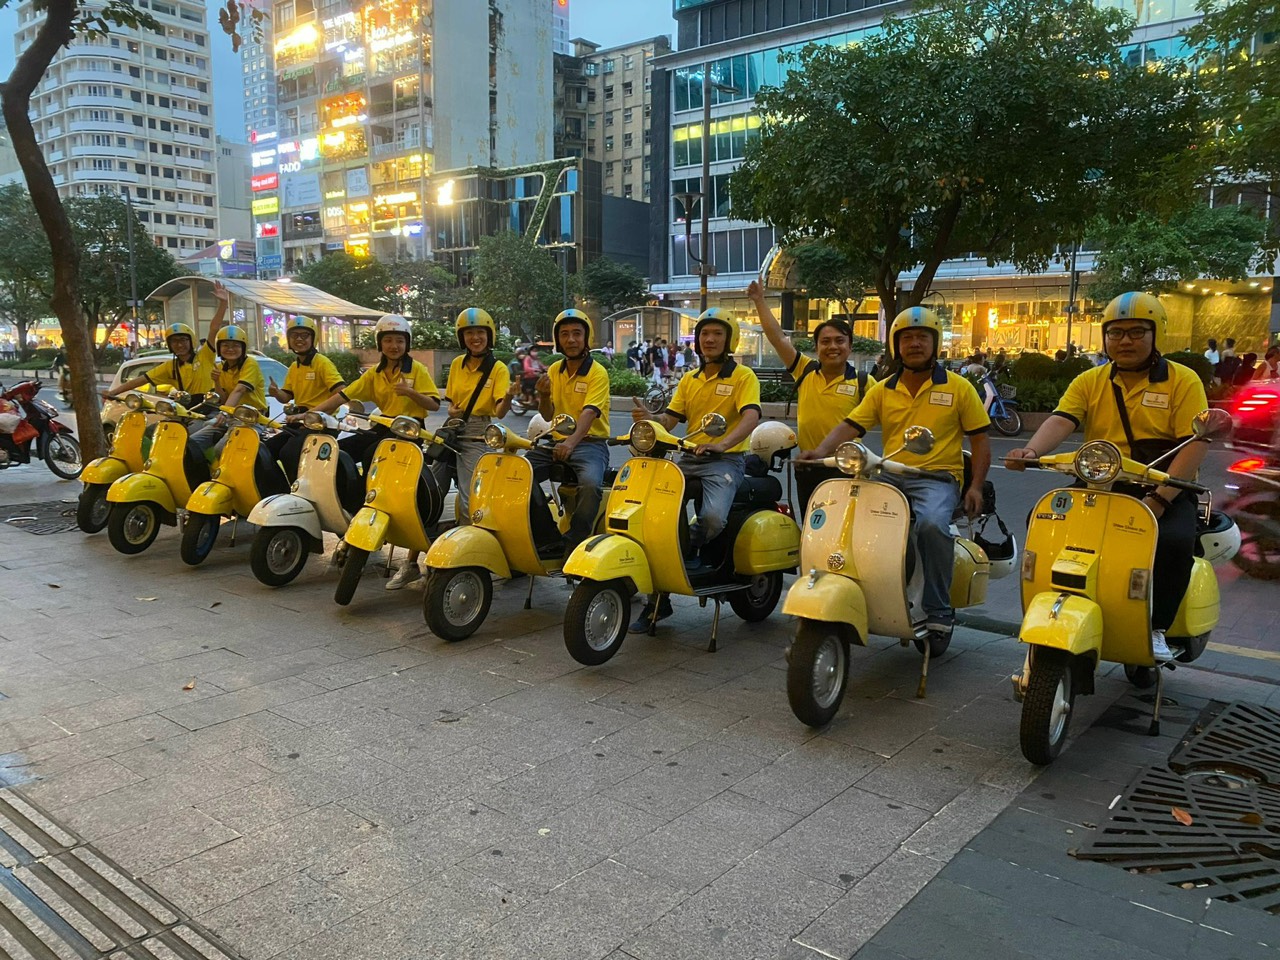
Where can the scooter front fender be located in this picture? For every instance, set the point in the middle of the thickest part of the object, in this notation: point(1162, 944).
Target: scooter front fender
point(140, 488)
point(212, 499)
point(288, 510)
point(468, 547)
point(611, 556)
point(104, 470)
point(830, 598)
point(368, 530)
point(1063, 621)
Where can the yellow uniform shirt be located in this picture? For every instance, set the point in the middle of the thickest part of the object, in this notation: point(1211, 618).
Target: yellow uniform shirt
point(947, 404)
point(821, 403)
point(588, 388)
point(312, 382)
point(195, 377)
point(1161, 405)
point(379, 387)
point(250, 374)
point(734, 390)
point(462, 384)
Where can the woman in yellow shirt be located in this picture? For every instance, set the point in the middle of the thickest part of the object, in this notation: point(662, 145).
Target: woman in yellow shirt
point(310, 380)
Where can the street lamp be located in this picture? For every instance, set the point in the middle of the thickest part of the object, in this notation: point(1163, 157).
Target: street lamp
point(133, 270)
point(686, 201)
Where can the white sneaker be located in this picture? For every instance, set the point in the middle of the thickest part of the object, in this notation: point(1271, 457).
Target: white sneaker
point(1159, 648)
point(406, 575)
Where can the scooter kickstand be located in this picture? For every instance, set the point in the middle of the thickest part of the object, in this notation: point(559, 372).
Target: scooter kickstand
point(653, 618)
point(715, 627)
point(234, 521)
point(924, 670)
point(528, 600)
point(1154, 729)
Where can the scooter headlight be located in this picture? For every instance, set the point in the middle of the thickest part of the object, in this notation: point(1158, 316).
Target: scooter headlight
point(165, 408)
point(1098, 461)
point(246, 414)
point(851, 458)
point(313, 420)
point(406, 427)
point(134, 402)
point(495, 437)
point(644, 436)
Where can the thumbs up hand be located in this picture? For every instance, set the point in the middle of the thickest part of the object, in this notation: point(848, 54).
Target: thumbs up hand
point(638, 411)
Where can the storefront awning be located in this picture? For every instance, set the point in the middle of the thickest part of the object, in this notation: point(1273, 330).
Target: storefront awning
point(296, 299)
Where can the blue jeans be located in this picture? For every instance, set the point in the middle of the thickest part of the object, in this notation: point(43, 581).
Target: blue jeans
point(460, 472)
point(932, 504)
point(589, 460)
point(720, 481)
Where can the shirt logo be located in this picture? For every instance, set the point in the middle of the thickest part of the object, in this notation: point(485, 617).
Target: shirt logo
point(579, 388)
point(848, 389)
point(940, 399)
point(1158, 400)
point(724, 389)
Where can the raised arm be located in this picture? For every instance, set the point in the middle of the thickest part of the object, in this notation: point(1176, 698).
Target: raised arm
point(772, 330)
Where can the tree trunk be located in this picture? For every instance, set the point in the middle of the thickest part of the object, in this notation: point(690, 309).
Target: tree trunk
point(55, 33)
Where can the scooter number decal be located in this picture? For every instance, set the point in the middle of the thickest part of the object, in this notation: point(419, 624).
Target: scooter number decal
point(624, 475)
point(1061, 503)
point(817, 519)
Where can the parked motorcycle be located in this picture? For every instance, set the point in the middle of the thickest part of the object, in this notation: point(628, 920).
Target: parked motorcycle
point(1000, 402)
point(1253, 501)
point(126, 457)
point(56, 442)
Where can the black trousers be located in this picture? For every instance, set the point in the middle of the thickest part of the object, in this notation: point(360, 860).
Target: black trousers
point(1175, 555)
point(362, 444)
point(807, 480)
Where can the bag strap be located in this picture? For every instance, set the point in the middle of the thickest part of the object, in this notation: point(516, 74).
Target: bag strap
point(1124, 414)
point(486, 368)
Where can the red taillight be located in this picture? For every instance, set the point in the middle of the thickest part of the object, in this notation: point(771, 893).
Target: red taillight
point(785, 510)
point(1258, 401)
point(1247, 465)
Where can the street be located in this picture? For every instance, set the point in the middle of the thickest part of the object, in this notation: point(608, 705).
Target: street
point(292, 779)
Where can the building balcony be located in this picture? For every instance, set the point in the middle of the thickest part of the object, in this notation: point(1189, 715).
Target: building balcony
point(103, 176)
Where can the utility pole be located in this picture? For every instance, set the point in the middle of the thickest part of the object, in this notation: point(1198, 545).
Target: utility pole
point(133, 270)
point(706, 185)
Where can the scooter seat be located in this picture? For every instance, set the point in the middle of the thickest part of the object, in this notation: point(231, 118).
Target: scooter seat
point(757, 491)
point(350, 483)
point(563, 473)
point(267, 474)
point(194, 466)
point(430, 500)
point(610, 477)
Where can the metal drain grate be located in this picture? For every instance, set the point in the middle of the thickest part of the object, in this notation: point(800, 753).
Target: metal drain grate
point(60, 898)
point(1227, 778)
point(50, 516)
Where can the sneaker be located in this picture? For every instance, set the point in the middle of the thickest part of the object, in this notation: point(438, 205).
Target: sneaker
point(641, 624)
point(406, 575)
point(939, 625)
point(1160, 648)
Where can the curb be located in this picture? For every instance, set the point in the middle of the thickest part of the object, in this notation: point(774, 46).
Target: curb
point(989, 624)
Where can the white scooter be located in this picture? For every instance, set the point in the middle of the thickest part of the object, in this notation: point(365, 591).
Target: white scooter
point(328, 492)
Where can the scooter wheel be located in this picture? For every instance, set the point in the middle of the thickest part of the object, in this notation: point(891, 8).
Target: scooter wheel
point(199, 534)
point(92, 509)
point(279, 554)
point(759, 600)
point(132, 527)
point(1010, 425)
point(1046, 710)
point(457, 601)
point(1144, 678)
point(818, 671)
point(61, 452)
point(937, 645)
point(349, 579)
point(1259, 553)
point(595, 624)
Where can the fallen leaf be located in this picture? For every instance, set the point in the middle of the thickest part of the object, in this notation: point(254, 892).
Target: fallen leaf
point(146, 599)
point(56, 586)
point(190, 686)
point(216, 603)
point(1187, 886)
point(1182, 816)
point(544, 832)
point(1253, 818)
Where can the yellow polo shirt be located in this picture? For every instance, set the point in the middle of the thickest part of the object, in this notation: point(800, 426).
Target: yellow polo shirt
point(588, 388)
point(947, 404)
point(313, 382)
point(1161, 406)
point(732, 392)
point(462, 384)
point(250, 374)
point(378, 386)
point(195, 377)
point(821, 403)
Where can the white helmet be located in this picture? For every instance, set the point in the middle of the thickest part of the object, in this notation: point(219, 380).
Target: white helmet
point(771, 438)
point(1219, 539)
point(392, 323)
point(538, 426)
point(1002, 552)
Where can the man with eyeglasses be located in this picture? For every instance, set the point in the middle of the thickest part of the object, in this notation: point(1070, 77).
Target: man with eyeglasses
point(1145, 405)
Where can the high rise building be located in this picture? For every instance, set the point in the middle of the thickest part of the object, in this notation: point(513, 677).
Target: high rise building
point(133, 111)
point(560, 27)
point(619, 107)
point(258, 68)
point(373, 97)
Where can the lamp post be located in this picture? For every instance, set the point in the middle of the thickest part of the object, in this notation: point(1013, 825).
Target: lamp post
point(1071, 292)
point(133, 270)
point(686, 201)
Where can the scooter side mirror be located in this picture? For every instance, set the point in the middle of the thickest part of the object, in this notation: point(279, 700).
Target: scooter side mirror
point(917, 440)
point(353, 406)
point(454, 423)
point(1212, 424)
point(713, 425)
point(563, 424)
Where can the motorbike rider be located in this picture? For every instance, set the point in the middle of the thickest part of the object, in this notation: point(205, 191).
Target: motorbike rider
point(237, 380)
point(720, 385)
point(311, 379)
point(1145, 405)
point(923, 392)
point(579, 386)
point(828, 387)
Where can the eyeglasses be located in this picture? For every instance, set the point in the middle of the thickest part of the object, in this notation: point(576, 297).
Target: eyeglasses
point(1132, 333)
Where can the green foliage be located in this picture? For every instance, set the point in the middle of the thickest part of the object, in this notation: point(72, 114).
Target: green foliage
point(1196, 361)
point(24, 263)
point(627, 383)
point(363, 281)
point(777, 391)
point(867, 346)
point(1151, 252)
point(998, 127)
point(1037, 366)
point(826, 272)
point(612, 286)
point(519, 284)
point(1039, 396)
point(348, 364)
point(421, 290)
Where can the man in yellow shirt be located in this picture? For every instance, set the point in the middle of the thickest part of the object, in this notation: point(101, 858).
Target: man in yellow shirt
point(923, 393)
point(1145, 405)
point(828, 387)
point(309, 381)
point(238, 380)
point(720, 386)
point(579, 386)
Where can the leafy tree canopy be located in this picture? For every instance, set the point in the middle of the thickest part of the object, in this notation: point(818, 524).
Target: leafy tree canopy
point(421, 289)
point(996, 128)
point(363, 281)
point(518, 283)
point(612, 286)
point(827, 273)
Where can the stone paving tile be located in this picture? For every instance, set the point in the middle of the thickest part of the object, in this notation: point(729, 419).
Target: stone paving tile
point(685, 779)
point(29, 731)
point(882, 725)
point(804, 779)
point(564, 780)
point(929, 773)
point(241, 703)
point(81, 782)
point(531, 862)
point(603, 824)
point(166, 840)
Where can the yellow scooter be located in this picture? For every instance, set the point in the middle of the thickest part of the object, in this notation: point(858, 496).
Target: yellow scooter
point(864, 577)
point(140, 502)
point(403, 500)
point(1086, 587)
point(501, 538)
point(246, 473)
point(646, 531)
point(126, 457)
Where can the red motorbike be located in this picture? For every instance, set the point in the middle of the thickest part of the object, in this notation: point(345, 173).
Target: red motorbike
point(37, 420)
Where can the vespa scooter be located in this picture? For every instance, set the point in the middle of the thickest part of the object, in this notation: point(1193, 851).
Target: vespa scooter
point(864, 577)
point(126, 457)
point(647, 531)
point(1086, 587)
